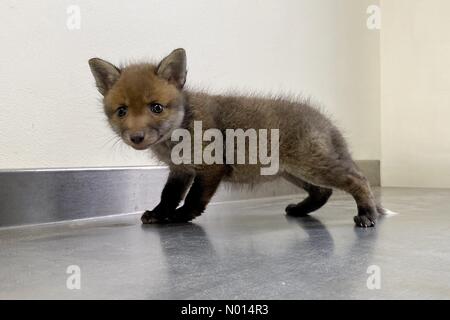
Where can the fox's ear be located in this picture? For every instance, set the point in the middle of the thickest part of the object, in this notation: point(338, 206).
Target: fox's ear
point(105, 74)
point(173, 68)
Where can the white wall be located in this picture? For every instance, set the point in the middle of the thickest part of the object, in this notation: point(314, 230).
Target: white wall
point(49, 110)
point(415, 82)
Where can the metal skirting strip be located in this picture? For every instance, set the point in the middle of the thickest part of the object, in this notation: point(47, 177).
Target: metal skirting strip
point(52, 195)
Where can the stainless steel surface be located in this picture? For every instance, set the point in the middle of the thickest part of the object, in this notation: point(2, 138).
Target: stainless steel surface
point(39, 196)
point(246, 249)
point(48, 195)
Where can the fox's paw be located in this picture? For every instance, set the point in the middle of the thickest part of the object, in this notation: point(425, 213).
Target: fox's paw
point(182, 215)
point(153, 217)
point(365, 221)
point(297, 210)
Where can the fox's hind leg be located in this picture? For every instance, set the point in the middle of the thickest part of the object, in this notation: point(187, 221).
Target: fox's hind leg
point(358, 186)
point(317, 197)
point(344, 174)
point(322, 159)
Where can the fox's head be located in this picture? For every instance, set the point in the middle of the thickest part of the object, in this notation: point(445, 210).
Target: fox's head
point(144, 103)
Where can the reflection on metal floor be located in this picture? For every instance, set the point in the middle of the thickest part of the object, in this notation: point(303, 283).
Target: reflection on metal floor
point(245, 249)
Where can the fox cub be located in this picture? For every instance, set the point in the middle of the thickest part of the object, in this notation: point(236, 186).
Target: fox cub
point(145, 103)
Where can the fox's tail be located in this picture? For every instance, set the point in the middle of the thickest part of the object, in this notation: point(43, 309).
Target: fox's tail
point(384, 211)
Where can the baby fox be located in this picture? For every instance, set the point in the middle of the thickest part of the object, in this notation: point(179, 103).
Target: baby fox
point(146, 103)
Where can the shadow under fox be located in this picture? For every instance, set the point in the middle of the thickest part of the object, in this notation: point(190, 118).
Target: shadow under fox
point(145, 103)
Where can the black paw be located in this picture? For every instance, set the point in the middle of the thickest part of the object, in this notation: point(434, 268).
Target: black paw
point(297, 210)
point(182, 215)
point(153, 217)
point(365, 221)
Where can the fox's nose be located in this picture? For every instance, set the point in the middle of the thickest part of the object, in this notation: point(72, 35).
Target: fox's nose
point(137, 137)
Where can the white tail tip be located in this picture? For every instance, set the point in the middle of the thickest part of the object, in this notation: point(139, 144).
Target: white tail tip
point(387, 212)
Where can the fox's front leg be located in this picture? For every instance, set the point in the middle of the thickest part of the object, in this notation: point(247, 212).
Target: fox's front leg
point(203, 188)
point(172, 194)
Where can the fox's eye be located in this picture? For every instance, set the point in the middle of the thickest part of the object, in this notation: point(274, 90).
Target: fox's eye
point(122, 111)
point(156, 107)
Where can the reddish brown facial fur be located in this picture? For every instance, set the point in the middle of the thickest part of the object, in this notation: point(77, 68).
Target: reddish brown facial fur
point(130, 92)
point(137, 88)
